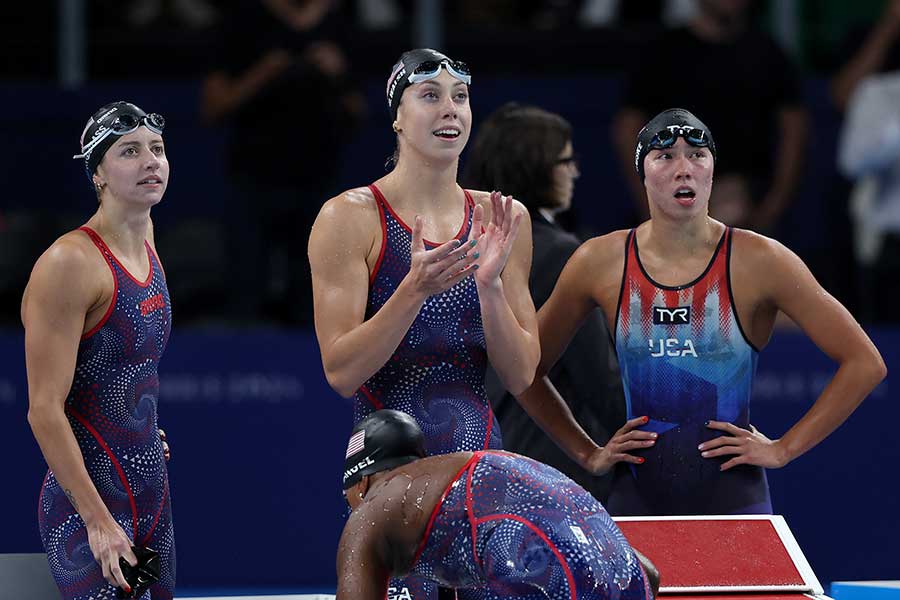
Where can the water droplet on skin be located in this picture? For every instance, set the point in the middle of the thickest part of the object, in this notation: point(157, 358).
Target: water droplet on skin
point(403, 504)
point(421, 497)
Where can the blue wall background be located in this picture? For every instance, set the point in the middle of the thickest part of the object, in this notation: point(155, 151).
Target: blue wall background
point(258, 437)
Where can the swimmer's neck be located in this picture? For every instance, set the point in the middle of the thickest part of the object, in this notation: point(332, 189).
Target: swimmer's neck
point(675, 240)
point(419, 185)
point(122, 228)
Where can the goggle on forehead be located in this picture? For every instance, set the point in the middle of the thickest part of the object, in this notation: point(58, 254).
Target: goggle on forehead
point(123, 125)
point(668, 136)
point(430, 69)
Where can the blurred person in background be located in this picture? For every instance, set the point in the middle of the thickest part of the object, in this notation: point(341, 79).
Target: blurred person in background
point(284, 87)
point(607, 13)
point(97, 319)
point(513, 14)
point(867, 88)
point(193, 13)
point(721, 66)
point(527, 153)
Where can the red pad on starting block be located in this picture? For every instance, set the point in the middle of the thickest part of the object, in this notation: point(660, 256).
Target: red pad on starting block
point(723, 554)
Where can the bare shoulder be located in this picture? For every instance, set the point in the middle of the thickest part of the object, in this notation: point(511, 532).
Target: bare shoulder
point(70, 271)
point(350, 209)
point(361, 532)
point(483, 199)
point(69, 258)
point(767, 269)
point(351, 218)
point(602, 252)
point(756, 253)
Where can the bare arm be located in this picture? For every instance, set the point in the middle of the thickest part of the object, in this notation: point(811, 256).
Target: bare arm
point(54, 322)
point(558, 321)
point(626, 126)
point(790, 287)
point(651, 571)
point(834, 330)
point(507, 311)
point(870, 57)
point(354, 349)
point(362, 570)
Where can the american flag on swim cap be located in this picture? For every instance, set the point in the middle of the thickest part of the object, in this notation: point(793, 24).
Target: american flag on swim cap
point(357, 443)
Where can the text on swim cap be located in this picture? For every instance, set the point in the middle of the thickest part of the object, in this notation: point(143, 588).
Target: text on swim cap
point(360, 465)
point(393, 86)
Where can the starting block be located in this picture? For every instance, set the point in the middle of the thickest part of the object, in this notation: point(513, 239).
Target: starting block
point(719, 557)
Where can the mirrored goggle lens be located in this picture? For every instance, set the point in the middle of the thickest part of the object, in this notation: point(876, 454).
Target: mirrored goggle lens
point(667, 137)
point(155, 122)
point(428, 67)
point(696, 137)
point(431, 68)
point(426, 71)
point(125, 124)
point(461, 71)
point(663, 139)
point(128, 123)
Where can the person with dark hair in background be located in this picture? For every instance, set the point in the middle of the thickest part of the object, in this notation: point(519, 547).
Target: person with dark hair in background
point(283, 85)
point(692, 301)
point(489, 524)
point(407, 323)
point(724, 68)
point(867, 88)
point(527, 152)
point(97, 319)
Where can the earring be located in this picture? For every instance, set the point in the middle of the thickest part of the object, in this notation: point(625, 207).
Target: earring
point(99, 187)
point(396, 127)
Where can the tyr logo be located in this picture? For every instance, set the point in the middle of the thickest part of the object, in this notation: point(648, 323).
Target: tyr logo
point(680, 315)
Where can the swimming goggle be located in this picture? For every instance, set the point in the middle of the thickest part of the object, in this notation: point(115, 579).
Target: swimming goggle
point(123, 125)
point(430, 69)
point(668, 136)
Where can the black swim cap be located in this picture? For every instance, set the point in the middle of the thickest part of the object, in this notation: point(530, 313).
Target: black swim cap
point(407, 65)
point(384, 440)
point(673, 117)
point(107, 125)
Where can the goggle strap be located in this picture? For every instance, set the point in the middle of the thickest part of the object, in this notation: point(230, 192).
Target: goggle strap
point(89, 147)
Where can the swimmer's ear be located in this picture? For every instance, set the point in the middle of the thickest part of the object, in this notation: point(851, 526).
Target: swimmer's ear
point(363, 486)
